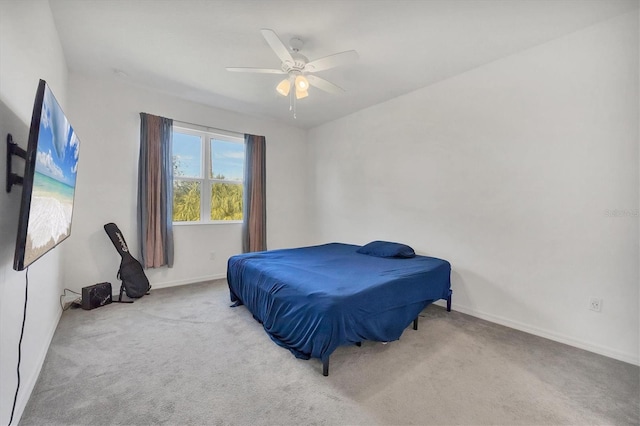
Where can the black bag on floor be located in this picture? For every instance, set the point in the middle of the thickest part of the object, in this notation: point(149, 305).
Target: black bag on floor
point(131, 273)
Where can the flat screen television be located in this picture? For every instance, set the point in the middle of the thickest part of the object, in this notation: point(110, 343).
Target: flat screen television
point(49, 182)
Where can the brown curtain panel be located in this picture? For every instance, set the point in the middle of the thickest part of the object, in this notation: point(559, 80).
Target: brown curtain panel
point(155, 191)
point(254, 226)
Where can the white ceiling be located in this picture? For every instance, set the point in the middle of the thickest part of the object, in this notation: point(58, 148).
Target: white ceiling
point(182, 47)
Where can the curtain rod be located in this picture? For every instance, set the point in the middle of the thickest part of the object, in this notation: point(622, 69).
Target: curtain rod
point(209, 128)
point(215, 129)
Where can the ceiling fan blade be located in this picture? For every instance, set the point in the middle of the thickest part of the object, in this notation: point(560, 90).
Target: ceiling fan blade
point(258, 70)
point(325, 85)
point(276, 44)
point(331, 61)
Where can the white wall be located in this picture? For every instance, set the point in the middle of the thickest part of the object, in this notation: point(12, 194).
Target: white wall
point(507, 171)
point(106, 118)
point(29, 50)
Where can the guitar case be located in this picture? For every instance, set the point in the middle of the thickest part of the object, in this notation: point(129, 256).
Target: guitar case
point(134, 281)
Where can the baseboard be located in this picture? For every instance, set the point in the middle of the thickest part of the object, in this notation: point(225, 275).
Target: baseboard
point(536, 331)
point(188, 281)
point(27, 386)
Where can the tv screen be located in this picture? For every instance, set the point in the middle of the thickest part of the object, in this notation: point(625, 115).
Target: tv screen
point(49, 181)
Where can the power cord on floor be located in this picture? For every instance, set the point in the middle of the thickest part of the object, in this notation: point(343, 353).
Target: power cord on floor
point(24, 319)
point(77, 300)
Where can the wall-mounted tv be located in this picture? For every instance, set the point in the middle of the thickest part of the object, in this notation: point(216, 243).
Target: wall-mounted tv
point(49, 181)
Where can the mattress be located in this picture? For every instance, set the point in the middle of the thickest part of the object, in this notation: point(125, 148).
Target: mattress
point(312, 300)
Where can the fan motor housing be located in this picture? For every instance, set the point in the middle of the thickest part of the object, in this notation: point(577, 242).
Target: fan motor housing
point(298, 64)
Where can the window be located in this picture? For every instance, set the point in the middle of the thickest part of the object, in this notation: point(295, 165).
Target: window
point(208, 171)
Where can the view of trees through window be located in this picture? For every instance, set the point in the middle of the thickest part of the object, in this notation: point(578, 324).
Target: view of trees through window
point(186, 201)
point(217, 193)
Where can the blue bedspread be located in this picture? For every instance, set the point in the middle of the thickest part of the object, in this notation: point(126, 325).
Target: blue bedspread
point(311, 300)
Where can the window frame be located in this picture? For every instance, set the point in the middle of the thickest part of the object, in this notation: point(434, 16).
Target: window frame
point(206, 136)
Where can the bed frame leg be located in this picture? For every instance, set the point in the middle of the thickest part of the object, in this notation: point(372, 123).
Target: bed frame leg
point(415, 323)
point(325, 367)
point(449, 303)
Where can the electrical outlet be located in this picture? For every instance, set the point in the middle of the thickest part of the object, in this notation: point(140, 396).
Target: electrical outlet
point(595, 304)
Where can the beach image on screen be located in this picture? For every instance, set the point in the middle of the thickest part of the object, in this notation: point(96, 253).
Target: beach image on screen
point(53, 182)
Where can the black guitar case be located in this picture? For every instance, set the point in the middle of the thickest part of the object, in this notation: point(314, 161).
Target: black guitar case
point(134, 281)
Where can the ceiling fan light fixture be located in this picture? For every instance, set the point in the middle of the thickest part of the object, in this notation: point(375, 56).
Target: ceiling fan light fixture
point(302, 84)
point(283, 87)
point(297, 66)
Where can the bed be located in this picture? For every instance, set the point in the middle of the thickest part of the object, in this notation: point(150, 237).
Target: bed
point(311, 300)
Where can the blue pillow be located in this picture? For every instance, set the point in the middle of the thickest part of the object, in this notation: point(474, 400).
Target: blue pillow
point(387, 249)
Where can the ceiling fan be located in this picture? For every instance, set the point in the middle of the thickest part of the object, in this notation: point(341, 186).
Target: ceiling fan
point(298, 68)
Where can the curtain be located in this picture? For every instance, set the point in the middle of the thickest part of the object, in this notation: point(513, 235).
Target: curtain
point(254, 206)
point(155, 191)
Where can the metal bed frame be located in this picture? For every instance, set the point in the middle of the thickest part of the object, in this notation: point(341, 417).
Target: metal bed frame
point(325, 361)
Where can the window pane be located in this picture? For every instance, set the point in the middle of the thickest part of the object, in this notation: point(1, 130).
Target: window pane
point(227, 160)
point(187, 155)
point(186, 201)
point(226, 201)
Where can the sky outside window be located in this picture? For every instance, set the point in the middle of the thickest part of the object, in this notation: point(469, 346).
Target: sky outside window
point(227, 159)
point(187, 155)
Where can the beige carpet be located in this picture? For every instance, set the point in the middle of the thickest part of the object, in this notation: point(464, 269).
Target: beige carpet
point(182, 356)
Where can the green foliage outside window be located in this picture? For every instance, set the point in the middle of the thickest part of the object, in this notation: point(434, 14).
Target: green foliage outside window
point(186, 201)
point(226, 201)
point(226, 198)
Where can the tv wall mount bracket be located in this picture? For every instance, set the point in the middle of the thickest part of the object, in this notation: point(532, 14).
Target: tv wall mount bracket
point(13, 149)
